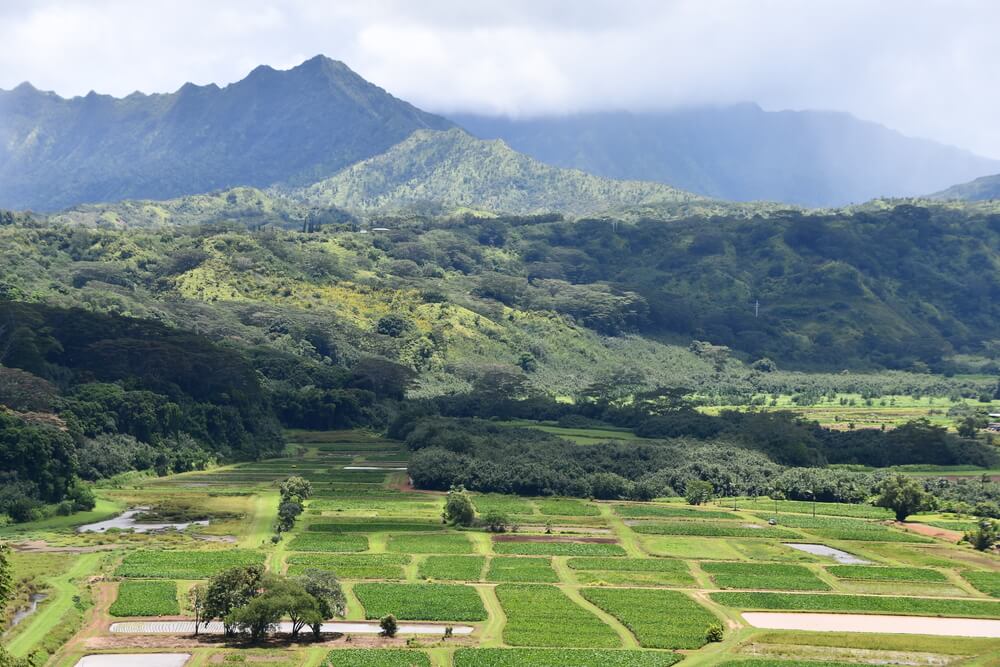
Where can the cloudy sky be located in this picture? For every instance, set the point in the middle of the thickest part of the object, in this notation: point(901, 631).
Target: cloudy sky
point(929, 68)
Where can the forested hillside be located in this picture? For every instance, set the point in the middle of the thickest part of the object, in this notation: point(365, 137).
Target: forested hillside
point(297, 126)
point(982, 189)
point(741, 152)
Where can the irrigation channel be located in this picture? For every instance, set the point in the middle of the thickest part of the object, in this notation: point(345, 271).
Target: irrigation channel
point(904, 625)
point(342, 627)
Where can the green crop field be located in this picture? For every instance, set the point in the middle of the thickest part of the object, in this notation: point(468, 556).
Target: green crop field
point(146, 598)
point(542, 615)
point(454, 568)
point(421, 602)
point(430, 544)
point(357, 526)
point(361, 566)
point(839, 528)
point(714, 529)
point(872, 573)
point(863, 604)
point(540, 657)
point(632, 571)
point(635, 511)
point(338, 542)
point(523, 569)
point(566, 507)
point(368, 658)
point(987, 582)
point(558, 549)
point(500, 503)
point(768, 576)
point(658, 619)
point(185, 564)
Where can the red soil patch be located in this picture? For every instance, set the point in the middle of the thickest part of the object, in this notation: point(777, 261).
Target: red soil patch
point(929, 531)
point(554, 538)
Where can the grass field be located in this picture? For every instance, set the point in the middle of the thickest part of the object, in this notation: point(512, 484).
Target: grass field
point(558, 549)
point(361, 566)
point(454, 568)
point(185, 564)
point(987, 582)
point(512, 568)
point(869, 573)
point(337, 543)
point(430, 544)
point(535, 657)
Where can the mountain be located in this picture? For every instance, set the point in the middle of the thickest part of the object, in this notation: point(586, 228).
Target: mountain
point(295, 126)
point(450, 170)
point(982, 189)
point(742, 152)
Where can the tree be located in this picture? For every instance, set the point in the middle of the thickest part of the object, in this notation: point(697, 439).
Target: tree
point(986, 534)
point(230, 590)
point(295, 489)
point(392, 325)
point(288, 511)
point(698, 492)
point(389, 626)
point(257, 617)
point(495, 521)
point(6, 578)
point(458, 508)
point(904, 496)
point(196, 596)
point(298, 604)
point(326, 589)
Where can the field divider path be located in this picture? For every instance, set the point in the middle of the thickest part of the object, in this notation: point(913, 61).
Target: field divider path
point(354, 611)
point(378, 543)
point(628, 539)
point(496, 619)
point(411, 569)
point(566, 575)
point(573, 593)
point(482, 543)
point(700, 576)
point(824, 576)
point(49, 615)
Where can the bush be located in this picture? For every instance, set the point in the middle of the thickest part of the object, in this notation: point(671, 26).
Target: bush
point(714, 633)
point(389, 626)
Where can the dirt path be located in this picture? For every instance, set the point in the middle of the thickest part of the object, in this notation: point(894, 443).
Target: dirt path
point(929, 531)
point(41, 546)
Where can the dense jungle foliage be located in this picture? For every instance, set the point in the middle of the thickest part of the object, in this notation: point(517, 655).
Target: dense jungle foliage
point(167, 346)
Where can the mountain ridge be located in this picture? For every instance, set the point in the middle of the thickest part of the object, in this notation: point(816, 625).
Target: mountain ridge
point(741, 152)
point(273, 126)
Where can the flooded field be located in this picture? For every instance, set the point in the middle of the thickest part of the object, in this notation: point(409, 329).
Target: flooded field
point(907, 625)
point(841, 557)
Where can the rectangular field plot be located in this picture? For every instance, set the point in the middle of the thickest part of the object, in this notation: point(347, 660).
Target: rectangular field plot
point(837, 528)
point(501, 503)
point(713, 529)
point(514, 568)
point(453, 568)
point(987, 582)
point(826, 509)
point(380, 657)
point(647, 511)
point(786, 663)
point(542, 615)
point(566, 507)
point(336, 542)
point(547, 657)
point(185, 564)
point(146, 598)
point(658, 619)
point(421, 602)
point(542, 548)
point(874, 573)
point(863, 604)
point(636, 571)
point(359, 526)
point(446, 543)
point(362, 566)
point(769, 576)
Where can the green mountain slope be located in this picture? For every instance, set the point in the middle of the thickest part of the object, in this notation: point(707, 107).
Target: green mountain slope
point(982, 189)
point(453, 170)
point(741, 152)
point(296, 126)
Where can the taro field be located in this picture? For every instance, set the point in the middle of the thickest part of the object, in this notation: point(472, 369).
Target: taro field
point(579, 583)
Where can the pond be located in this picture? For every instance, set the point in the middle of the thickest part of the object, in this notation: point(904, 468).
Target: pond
point(387, 469)
point(343, 627)
point(906, 625)
point(130, 659)
point(841, 557)
point(32, 607)
point(127, 521)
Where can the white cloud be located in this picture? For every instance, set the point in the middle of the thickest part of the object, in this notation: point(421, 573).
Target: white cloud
point(926, 67)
